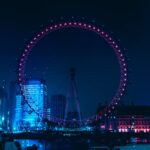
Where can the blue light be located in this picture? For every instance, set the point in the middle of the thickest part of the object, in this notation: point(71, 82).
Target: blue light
point(35, 92)
point(25, 118)
point(18, 113)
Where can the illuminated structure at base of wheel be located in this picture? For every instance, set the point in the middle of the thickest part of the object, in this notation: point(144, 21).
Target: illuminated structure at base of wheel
point(83, 26)
point(74, 113)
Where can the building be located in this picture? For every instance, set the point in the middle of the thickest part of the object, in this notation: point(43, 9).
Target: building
point(58, 105)
point(127, 119)
point(34, 110)
point(18, 113)
point(15, 109)
point(48, 109)
point(4, 119)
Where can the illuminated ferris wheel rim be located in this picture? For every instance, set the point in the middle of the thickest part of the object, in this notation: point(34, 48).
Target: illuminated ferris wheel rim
point(86, 26)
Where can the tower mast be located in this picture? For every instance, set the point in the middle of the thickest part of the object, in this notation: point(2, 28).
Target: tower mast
point(73, 98)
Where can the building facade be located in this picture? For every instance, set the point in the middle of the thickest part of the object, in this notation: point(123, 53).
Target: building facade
point(35, 103)
point(4, 115)
point(58, 105)
point(28, 111)
point(127, 119)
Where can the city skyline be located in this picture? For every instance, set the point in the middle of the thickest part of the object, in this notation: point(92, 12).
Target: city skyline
point(75, 74)
point(18, 27)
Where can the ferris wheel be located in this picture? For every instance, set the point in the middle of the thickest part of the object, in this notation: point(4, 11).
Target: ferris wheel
point(83, 26)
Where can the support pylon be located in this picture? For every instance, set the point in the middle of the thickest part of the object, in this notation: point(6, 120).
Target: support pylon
point(72, 111)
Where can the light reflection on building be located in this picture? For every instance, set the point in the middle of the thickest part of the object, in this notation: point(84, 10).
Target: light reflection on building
point(25, 118)
point(36, 94)
point(136, 119)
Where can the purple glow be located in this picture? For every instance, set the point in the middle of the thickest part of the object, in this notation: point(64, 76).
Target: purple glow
point(75, 23)
point(80, 24)
point(98, 30)
point(65, 24)
point(89, 26)
point(94, 28)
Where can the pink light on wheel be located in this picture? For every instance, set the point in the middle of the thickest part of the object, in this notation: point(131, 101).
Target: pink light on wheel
point(89, 26)
point(79, 23)
point(75, 23)
point(98, 30)
point(65, 24)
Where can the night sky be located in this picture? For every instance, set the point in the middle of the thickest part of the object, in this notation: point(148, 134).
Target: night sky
point(96, 64)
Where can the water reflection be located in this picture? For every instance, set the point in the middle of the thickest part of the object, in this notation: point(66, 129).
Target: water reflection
point(70, 145)
point(51, 145)
point(134, 147)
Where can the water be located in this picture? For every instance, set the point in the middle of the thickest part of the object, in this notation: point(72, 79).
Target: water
point(135, 147)
point(68, 145)
point(52, 145)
